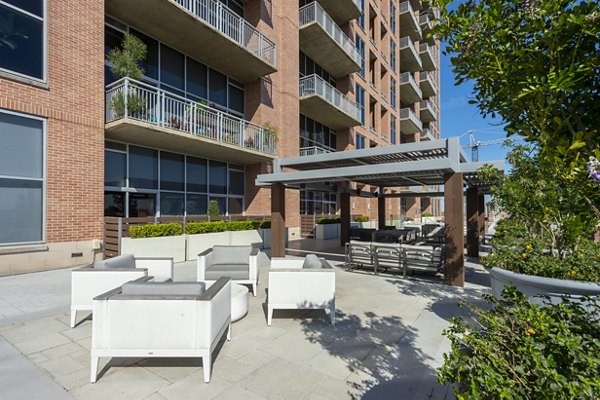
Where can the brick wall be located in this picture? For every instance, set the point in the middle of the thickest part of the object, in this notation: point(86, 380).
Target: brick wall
point(73, 103)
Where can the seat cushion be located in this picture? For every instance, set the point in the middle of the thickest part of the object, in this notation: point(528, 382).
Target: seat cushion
point(311, 261)
point(231, 255)
point(122, 261)
point(233, 271)
point(163, 288)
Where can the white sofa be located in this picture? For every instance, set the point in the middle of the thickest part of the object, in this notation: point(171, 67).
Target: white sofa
point(92, 280)
point(168, 319)
point(240, 263)
point(307, 283)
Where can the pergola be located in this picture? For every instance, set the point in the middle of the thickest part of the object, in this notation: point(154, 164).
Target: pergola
point(436, 162)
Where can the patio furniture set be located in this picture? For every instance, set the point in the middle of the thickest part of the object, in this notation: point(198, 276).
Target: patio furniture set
point(409, 250)
point(138, 311)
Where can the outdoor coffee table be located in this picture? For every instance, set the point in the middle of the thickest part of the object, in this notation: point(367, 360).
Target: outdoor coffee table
point(239, 300)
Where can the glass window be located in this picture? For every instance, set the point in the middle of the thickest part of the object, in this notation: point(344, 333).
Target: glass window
point(196, 175)
point(150, 64)
point(22, 39)
point(236, 99)
point(222, 203)
point(172, 172)
point(143, 168)
point(217, 85)
point(114, 204)
point(218, 177)
point(22, 151)
point(236, 182)
point(171, 67)
point(115, 168)
point(171, 204)
point(196, 79)
point(142, 205)
point(235, 206)
point(112, 39)
point(196, 204)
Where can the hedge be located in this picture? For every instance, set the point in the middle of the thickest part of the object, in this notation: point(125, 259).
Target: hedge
point(327, 221)
point(155, 230)
point(361, 218)
point(192, 228)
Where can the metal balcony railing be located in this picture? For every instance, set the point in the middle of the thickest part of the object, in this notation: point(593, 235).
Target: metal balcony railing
point(313, 12)
point(312, 150)
point(223, 19)
point(429, 106)
point(130, 99)
point(314, 84)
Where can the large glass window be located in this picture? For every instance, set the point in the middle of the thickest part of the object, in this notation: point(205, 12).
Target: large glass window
point(393, 129)
point(150, 64)
point(22, 150)
point(217, 85)
point(115, 168)
point(196, 204)
point(22, 37)
point(218, 177)
point(171, 204)
point(360, 100)
point(197, 179)
point(196, 79)
point(171, 67)
point(142, 205)
point(143, 168)
point(236, 182)
point(114, 204)
point(172, 172)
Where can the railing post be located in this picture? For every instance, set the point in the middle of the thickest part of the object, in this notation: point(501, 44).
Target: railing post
point(161, 101)
point(241, 133)
point(119, 234)
point(261, 141)
point(219, 135)
point(125, 96)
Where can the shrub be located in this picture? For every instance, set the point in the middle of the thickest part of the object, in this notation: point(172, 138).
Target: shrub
point(193, 228)
point(327, 221)
point(517, 350)
point(426, 215)
point(213, 208)
point(361, 218)
point(155, 230)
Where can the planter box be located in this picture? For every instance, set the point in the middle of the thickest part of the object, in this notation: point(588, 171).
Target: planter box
point(246, 238)
point(328, 231)
point(535, 286)
point(167, 246)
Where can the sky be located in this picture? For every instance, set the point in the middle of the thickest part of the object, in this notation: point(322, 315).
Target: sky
point(458, 116)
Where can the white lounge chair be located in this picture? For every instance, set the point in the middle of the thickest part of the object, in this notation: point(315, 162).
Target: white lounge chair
point(240, 263)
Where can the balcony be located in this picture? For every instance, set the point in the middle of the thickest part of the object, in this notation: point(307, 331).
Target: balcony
point(426, 135)
point(312, 150)
point(327, 105)
point(409, 57)
point(142, 114)
point(206, 30)
point(342, 11)
point(427, 57)
point(409, 122)
point(428, 85)
point(409, 26)
point(416, 4)
point(409, 89)
point(425, 22)
point(323, 41)
point(427, 111)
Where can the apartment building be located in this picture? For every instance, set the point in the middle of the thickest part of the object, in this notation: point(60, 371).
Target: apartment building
point(229, 86)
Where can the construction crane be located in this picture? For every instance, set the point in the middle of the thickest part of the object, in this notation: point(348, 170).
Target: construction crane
point(475, 144)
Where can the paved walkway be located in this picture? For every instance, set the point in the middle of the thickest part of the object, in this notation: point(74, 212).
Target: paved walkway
point(386, 344)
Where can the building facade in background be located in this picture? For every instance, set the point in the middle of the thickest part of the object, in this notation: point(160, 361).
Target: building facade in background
point(228, 87)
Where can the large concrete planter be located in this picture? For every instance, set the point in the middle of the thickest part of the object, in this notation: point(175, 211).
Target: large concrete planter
point(167, 246)
point(246, 238)
point(328, 231)
point(198, 243)
point(536, 286)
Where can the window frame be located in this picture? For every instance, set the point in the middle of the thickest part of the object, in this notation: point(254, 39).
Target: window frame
point(44, 178)
point(44, 20)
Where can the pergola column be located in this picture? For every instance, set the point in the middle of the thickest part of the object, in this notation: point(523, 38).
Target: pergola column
point(344, 218)
point(277, 220)
point(481, 215)
point(381, 208)
point(472, 222)
point(454, 272)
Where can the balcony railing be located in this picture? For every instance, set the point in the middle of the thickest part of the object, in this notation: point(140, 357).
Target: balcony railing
point(220, 17)
point(314, 84)
point(313, 12)
point(312, 150)
point(130, 99)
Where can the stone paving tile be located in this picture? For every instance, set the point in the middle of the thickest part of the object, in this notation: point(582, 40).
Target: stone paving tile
point(193, 387)
point(237, 393)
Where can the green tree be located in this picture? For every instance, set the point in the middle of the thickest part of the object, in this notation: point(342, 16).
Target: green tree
point(536, 64)
point(213, 208)
point(126, 59)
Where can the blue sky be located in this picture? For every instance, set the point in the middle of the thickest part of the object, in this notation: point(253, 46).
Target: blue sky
point(458, 116)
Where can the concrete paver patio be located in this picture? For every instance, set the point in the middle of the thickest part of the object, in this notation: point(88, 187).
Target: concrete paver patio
point(386, 344)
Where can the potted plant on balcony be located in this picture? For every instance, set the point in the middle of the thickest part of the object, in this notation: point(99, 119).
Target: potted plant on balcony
point(125, 63)
point(270, 137)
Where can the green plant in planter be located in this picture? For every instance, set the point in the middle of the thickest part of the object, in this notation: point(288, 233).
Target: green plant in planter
point(329, 221)
point(361, 218)
point(213, 209)
point(126, 64)
point(516, 350)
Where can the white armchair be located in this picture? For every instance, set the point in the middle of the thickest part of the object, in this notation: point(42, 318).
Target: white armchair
point(240, 263)
point(140, 319)
point(301, 284)
point(92, 280)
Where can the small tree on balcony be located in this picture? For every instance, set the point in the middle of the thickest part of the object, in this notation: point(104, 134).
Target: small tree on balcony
point(126, 64)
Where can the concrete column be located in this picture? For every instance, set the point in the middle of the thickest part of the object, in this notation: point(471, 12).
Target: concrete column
point(481, 215)
point(344, 218)
point(277, 220)
point(472, 222)
point(381, 209)
point(454, 273)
